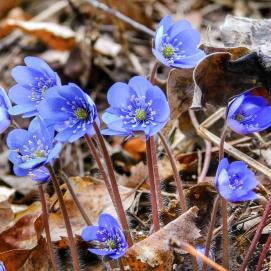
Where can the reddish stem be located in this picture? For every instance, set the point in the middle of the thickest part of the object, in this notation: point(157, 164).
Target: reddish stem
point(46, 227)
point(152, 185)
point(175, 172)
point(156, 174)
point(263, 254)
point(114, 185)
point(66, 219)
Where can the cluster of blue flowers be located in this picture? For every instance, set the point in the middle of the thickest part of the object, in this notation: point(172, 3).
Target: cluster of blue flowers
point(65, 113)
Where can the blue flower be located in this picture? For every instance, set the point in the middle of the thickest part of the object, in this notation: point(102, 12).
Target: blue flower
point(135, 107)
point(33, 81)
point(71, 111)
point(5, 104)
point(2, 266)
point(249, 114)
point(201, 250)
point(32, 149)
point(235, 181)
point(176, 45)
point(108, 236)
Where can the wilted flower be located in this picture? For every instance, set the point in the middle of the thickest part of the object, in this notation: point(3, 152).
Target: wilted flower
point(109, 237)
point(33, 80)
point(235, 181)
point(135, 107)
point(2, 266)
point(32, 149)
point(176, 45)
point(71, 111)
point(249, 114)
point(5, 104)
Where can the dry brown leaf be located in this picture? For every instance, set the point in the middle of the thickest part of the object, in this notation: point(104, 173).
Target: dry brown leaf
point(6, 215)
point(5, 6)
point(54, 35)
point(180, 88)
point(136, 147)
point(153, 252)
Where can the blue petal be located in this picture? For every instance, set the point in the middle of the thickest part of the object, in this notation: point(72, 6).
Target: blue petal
point(14, 157)
point(249, 196)
point(160, 57)
point(22, 108)
point(190, 61)
point(4, 119)
point(101, 252)
point(20, 95)
point(90, 233)
point(155, 93)
point(234, 105)
point(237, 167)
point(33, 163)
point(119, 94)
point(178, 27)
point(108, 221)
point(237, 127)
point(25, 76)
point(70, 91)
point(64, 135)
point(155, 129)
point(5, 97)
point(19, 171)
point(40, 175)
point(223, 164)
point(263, 119)
point(140, 85)
point(54, 152)
point(158, 37)
point(166, 22)
point(108, 118)
point(17, 138)
point(116, 256)
point(162, 110)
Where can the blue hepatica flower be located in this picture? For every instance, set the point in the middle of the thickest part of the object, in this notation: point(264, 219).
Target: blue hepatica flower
point(235, 181)
point(71, 111)
point(2, 266)
point(33, 81)
point(109, 237)
point(248, 114)
point(5, 104)
point(176, 45)
point(201, 250)
point(135, 107)
point(32, 149)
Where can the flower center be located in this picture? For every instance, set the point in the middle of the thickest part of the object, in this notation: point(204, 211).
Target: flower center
point(239, 117)
point(111, 244)
point(40, 154)
point(141, 114)
point(235, 182)
point(168, 51)
point(81, 113)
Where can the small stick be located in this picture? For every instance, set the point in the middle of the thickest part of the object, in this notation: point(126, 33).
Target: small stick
point(121, 266)
point(152, 186)
point(156, 174)
point(191, 250)
point(210, 230)
point(114, 185)
point(66, 218)
point(177, 178)
point(75, 198)
point(263, 254)
point(47, 227)
point(121, 16)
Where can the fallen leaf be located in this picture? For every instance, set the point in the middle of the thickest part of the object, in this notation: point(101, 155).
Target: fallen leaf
point(153, 252)
point(56, 36)
point(136, 147)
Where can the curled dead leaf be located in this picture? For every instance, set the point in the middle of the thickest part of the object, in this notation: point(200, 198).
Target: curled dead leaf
point(153, 252)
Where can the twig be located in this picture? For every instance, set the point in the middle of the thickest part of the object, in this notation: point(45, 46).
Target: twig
point(114, 185)
point(177, 178)
point(210, 230)
point(263, 254)
point(191, 250)
point(75, 198)
point(71, 239)
point(46, 227)
point(152, 186)
point(121, 16)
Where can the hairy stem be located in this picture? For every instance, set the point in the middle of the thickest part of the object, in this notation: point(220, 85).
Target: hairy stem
point(210, 230)
point(177, 178)
point(46, 227)
point(71, 240)
point(207, 160)
point(75, 198)
point(156, 174)
point(95, 155)
point(263, 254)
point(224, 207)
point(152, 185)
point(114, 185)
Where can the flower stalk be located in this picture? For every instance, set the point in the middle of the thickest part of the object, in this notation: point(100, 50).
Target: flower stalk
point(71, 239)
point(152, 185)
point(263, 254)
point(46, 227)
point(114, 185)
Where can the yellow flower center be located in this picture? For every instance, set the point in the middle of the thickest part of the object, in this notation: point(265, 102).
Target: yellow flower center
point(141, 114)
point(168, 51)
point(112, 244)
point(40, 153)
point(239, 117)
point(81, 113)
